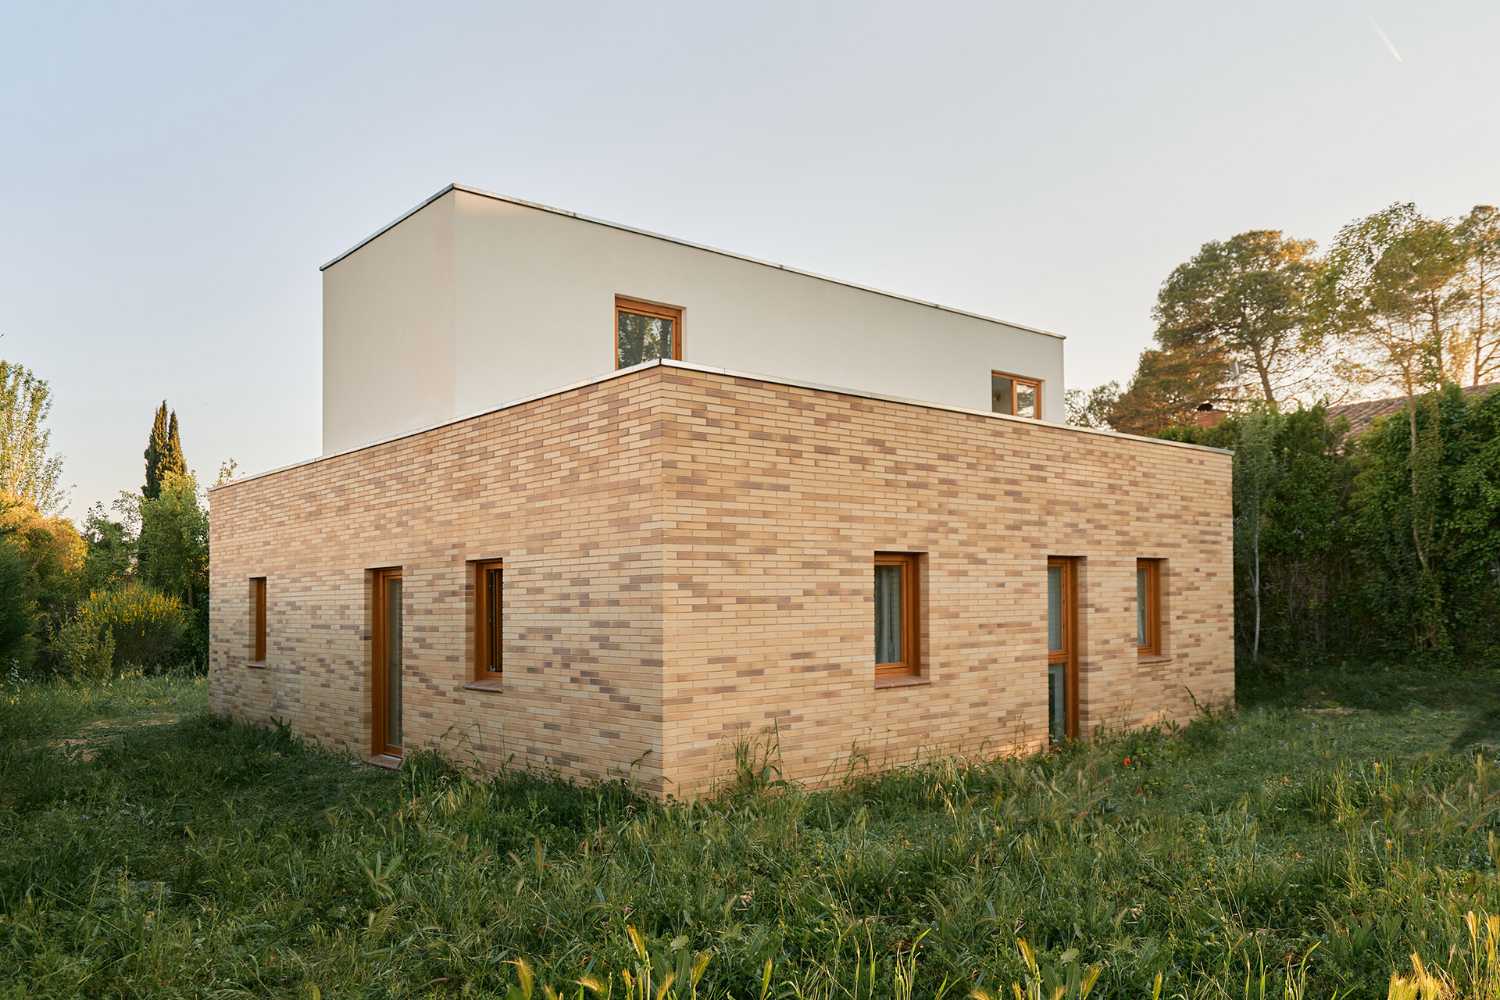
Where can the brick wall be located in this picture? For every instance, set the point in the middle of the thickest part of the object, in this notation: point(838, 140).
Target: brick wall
point(778, 498)
point(566, 489)
point(688, 565)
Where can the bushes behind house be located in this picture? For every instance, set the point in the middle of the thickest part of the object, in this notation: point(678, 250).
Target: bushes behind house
point(130, 626)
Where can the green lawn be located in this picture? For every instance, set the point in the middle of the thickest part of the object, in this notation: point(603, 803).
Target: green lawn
point(1338, 822)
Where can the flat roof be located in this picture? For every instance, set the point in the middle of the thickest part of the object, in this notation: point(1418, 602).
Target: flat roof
point(682, 243)
point(727, 373)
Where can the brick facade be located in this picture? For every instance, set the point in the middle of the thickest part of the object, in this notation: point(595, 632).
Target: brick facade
point(688, 565)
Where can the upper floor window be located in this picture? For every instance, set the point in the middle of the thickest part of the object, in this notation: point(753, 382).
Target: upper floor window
point(646, 331)
point(1013, 394)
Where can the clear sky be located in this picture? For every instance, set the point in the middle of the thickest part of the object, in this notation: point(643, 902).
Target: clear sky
point(173, 174)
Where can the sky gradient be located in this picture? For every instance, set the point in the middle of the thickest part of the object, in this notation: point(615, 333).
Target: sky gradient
point(174, 174)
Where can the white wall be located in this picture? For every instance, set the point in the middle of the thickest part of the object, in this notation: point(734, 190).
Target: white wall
point(388, 358)
point(522, 301)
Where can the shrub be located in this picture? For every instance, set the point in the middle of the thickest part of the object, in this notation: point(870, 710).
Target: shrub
point(82, 650)
point(17, 609)
point(127, 626)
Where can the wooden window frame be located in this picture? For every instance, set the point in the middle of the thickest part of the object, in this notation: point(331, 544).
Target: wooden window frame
point(1014, 380)
point(643, 307)
point(1067, 656)
point(911, 616)
point(258, 621)
point(379, 683)
point(487, 638)
point(1153, 644)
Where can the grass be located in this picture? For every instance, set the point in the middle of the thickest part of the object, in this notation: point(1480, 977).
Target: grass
point(1304, 846)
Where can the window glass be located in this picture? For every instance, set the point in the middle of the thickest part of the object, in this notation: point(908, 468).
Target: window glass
point(492, 607)
point(888, 645)
point(1002, 392)
point(393, 660)
point(643, 338)
point(1027, 398)
point(1054, 609)
point(1142, 603)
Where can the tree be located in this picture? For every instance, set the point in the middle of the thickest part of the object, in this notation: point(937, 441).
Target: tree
point(1254, 475)
point(173, 546)
point(27, 468)
point(17, 608)
point(163, 452)
point(1168, 385)
point(110, 550)
point(1479, 236)
point(1245, 299)
point(1091, 407)
point(1391, 291)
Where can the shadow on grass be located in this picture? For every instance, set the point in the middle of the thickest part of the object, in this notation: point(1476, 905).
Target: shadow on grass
point(1470, 693)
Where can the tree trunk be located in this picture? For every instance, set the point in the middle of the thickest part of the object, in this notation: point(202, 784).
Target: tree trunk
point(1263, 371)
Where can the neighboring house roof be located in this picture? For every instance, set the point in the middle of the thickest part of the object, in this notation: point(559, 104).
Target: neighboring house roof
point(1362, 415)
point(685, 243)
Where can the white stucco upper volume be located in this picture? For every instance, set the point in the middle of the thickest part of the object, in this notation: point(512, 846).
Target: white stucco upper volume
point(472, 300)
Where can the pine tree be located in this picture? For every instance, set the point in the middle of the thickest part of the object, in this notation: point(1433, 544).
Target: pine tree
point(163, 452)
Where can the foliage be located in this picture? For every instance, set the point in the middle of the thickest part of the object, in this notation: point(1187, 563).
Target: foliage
point(17, 609)
point(173, 553)
point(1091, 408)
point(28, 469)
point(131, 626)
point(1335, 570)
point(110, 554)
point(1340, 822)
point(1459, 515)
point(163, 454)
point(53, 554)
point(1243, 302)
point(1479, 234)
point(1391, 291)
point(83, 649)
point(173, 547)
point(1255, 470)
point(1167, 388)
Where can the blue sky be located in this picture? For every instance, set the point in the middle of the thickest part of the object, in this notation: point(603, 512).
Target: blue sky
point(173, 175)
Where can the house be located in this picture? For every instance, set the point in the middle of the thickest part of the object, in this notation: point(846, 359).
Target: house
point(1362, 415)
point(604, 503)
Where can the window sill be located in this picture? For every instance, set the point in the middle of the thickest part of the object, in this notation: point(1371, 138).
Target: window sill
point(1153, 658)
point(492, 686)
point(902, 681)
point(257, 665)
point(388, 761)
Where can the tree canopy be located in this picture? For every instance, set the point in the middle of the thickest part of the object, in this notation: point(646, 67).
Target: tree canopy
point(28, 469)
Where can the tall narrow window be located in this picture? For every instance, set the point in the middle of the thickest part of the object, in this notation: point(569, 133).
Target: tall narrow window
point(1148, 606)
point(897, 616)
point(1015, 395)
point(646, 331)
point(489, 608)
point(258, 619)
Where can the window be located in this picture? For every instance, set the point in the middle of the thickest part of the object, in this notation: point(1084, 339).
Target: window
point(897, 619)
point(1021, 397)
point(489, 606)
point(646, 331)
point(258, 619)
point(1148, 606)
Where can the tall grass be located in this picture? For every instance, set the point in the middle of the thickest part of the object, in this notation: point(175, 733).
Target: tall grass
point(1306, 846)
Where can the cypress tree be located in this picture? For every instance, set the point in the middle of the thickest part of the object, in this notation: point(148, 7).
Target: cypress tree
point(155, 446)
point(172, 460)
